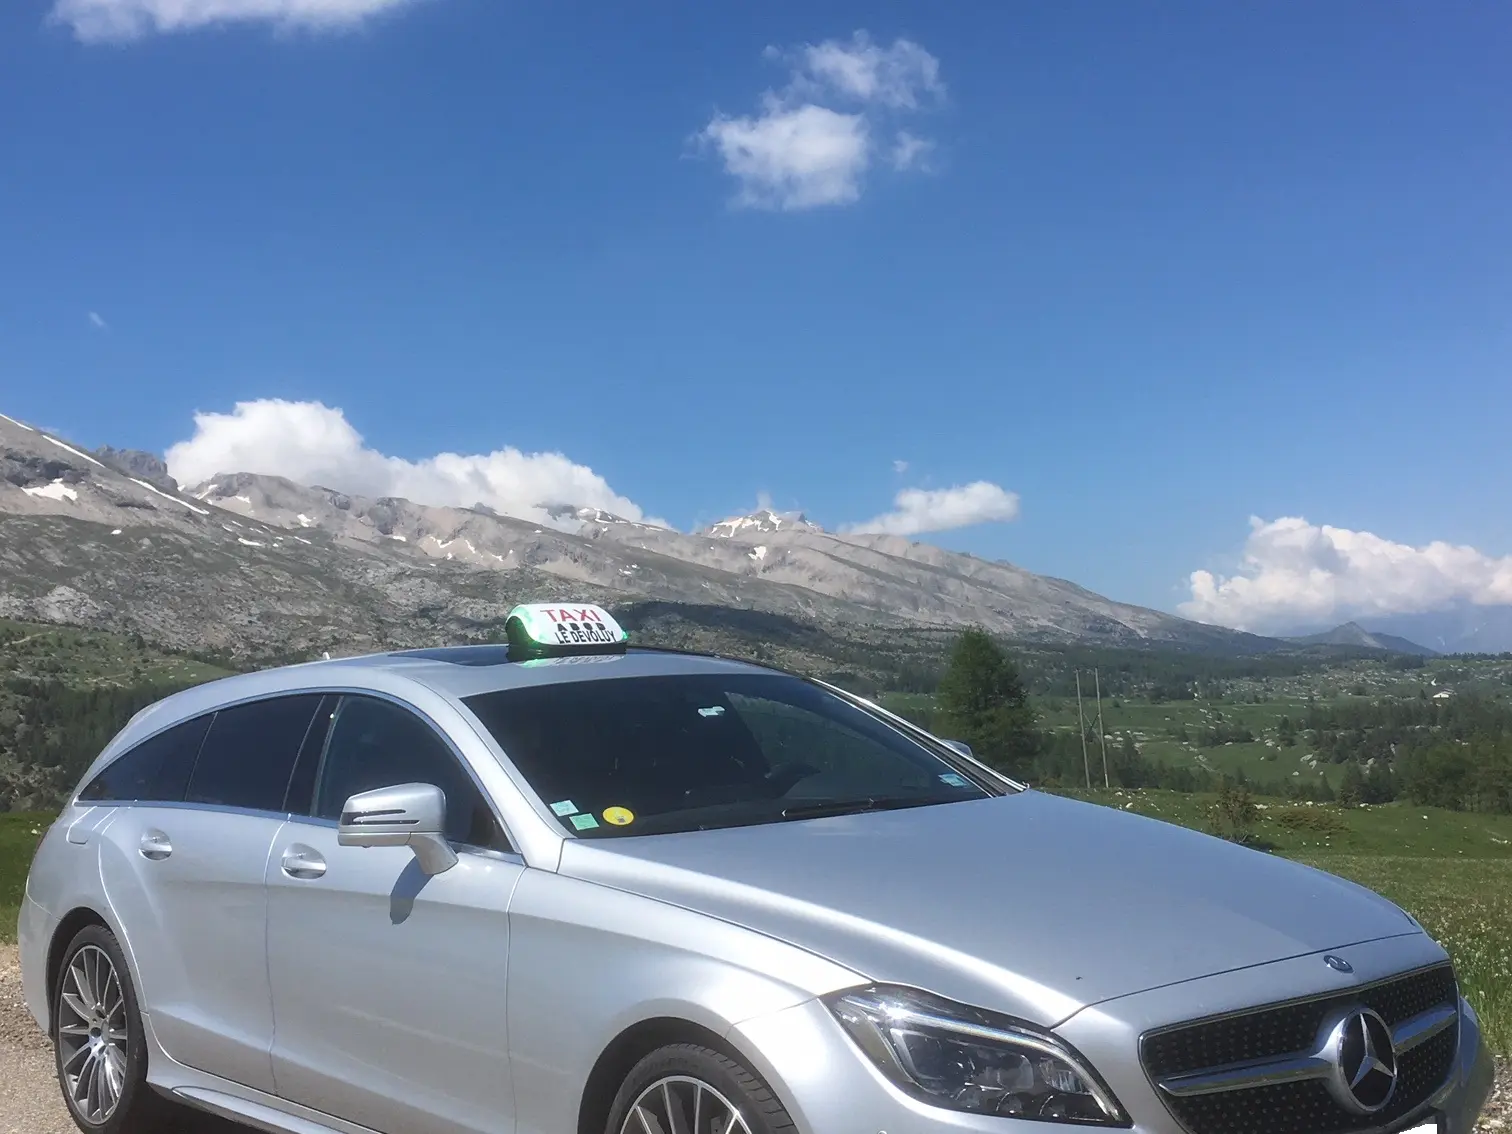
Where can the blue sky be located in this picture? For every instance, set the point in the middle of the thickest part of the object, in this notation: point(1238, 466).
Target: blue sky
point(1155, 269)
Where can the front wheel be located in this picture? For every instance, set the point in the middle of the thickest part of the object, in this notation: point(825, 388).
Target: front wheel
point(691, 1089)
point(98, 1041)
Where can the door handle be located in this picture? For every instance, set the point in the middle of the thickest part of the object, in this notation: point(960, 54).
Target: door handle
point(303, 862)
point(155, 845)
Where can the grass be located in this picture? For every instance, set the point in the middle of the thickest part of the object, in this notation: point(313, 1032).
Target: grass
point(1153, 726)
point(1298, 830)
point(92, 657)
point(19, 834)
point(1466, 907)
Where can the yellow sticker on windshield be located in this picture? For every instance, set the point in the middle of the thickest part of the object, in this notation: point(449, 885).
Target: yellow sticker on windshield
point(619, 816)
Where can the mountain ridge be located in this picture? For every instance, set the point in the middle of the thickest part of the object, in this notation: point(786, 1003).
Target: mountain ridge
point(295, 561)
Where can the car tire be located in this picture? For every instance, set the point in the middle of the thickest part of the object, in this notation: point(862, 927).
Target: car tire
point(701, 1083)
point(99, 1046)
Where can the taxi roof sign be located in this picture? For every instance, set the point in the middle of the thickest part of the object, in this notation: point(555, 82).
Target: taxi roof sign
point(548, 629)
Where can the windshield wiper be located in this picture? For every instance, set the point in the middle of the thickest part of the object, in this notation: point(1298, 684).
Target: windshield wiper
point(855, 806)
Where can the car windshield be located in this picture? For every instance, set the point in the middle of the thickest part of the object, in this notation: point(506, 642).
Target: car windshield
point(652, 755)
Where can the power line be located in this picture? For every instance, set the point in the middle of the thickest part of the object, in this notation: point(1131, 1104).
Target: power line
point(1102, 735)
point(1082, 721)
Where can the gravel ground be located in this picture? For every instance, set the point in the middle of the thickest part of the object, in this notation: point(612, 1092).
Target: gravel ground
point(29, 1102)
point(29, 1098)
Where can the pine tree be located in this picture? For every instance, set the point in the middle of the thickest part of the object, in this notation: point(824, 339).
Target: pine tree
point(1380, 784)
point(1352, 790)
point(1286, 732)
point(982, 701)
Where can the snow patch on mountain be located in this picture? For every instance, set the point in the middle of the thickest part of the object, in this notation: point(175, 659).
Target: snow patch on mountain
point(165, 496)
point(56, 490)
point(65, 448)
point(758, 523)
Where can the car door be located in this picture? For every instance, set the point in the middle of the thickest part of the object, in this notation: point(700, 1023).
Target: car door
point(186, 880)
point(388, 984)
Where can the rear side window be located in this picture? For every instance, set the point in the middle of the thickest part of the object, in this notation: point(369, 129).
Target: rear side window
point(155, 771)
point(247, 759)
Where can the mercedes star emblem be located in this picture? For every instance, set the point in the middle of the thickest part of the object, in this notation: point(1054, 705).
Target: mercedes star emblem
point(1362, 1059)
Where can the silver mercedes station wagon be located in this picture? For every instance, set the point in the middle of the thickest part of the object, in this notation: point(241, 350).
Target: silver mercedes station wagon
point(569, 886)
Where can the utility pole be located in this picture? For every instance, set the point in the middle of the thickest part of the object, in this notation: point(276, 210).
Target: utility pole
point(1102, 736)
point(1082, 722)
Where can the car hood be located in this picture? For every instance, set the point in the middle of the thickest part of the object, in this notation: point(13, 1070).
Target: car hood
point(1030, 903)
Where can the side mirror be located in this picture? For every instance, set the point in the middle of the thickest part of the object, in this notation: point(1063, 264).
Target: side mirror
point(960, 746)
point(407, 815)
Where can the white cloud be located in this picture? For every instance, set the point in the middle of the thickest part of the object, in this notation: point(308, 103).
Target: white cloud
point(793, 158)
point(97, 322)
point(114, 20)
point(799, 151)
point(900, 76)
point(918, 510)
point(311, 443)
point(1294, 573)
point(909, 151)
point(900, 466)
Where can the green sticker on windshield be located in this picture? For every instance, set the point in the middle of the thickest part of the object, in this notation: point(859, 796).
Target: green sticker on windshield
point(584, 822)
point(563, 807)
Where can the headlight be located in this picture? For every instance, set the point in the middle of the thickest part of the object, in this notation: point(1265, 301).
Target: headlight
point(952, 1056)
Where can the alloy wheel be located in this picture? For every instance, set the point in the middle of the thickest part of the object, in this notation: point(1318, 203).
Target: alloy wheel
point(92, 1035)
point(681, 1104)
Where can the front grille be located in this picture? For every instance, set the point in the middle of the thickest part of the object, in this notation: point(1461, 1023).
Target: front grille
point(1303, 1107)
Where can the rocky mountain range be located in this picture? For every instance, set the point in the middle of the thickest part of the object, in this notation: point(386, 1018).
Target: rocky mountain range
point(259, 564)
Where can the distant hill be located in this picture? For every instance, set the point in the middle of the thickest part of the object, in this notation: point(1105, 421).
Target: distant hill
point(1353, 634)
point(1463, 629)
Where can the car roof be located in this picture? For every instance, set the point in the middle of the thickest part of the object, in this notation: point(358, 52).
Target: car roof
point(453, 672)
point(463, 671)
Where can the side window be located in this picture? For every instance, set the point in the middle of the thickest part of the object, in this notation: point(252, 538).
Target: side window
point(156, 770)
point(375, 743)
point(249, 755)
point(302, 782)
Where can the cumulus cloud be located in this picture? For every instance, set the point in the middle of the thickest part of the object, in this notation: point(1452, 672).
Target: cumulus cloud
point(812, 142)
point(917, 510)
point(793, 157)
point(1294, 573)
point(311, 443)
point(115, 20)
